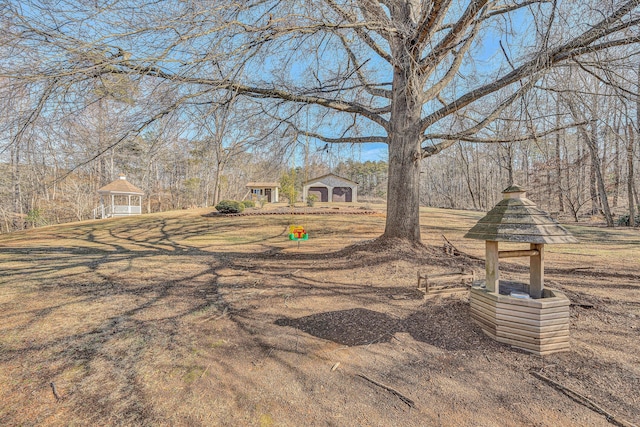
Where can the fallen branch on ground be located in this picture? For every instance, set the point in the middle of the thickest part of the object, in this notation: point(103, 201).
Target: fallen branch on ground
point(55, 391)
point(583, 400)
point(215, 317)
point(393, 391)
point(449, 249)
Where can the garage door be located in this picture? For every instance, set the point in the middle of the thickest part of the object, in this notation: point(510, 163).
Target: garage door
point(341, 194)
point(321, 193)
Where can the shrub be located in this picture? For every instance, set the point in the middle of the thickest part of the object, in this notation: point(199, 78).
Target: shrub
point(311, 200)
point(229, 206)
point(623, 220)
point(288, 186)
point(248, 203)
point(35, 217)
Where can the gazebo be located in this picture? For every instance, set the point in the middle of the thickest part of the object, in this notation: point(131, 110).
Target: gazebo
point(525, 315)
point(119, 198)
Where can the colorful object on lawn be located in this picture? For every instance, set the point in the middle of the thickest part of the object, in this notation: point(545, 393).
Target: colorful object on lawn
point(297, 232)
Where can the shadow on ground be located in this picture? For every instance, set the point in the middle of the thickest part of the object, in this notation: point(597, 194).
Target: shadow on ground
point(361, 326)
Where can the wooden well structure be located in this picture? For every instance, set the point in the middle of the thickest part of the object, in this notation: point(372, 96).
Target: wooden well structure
point(525, 315)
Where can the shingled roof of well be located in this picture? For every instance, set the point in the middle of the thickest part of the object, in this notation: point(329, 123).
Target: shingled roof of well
point(518, 219)
point(121, 186)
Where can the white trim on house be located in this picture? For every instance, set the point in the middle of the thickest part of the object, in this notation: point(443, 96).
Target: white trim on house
point(262, 190)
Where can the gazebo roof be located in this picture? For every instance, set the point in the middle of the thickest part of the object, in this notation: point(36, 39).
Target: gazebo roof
point(121, 186)
point(518, 219)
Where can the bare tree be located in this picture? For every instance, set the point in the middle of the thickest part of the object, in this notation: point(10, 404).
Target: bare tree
point(397, 72)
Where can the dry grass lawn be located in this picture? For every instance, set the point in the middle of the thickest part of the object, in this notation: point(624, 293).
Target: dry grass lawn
point(183, 318)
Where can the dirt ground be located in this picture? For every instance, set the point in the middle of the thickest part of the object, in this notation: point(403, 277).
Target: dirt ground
point(185, 318)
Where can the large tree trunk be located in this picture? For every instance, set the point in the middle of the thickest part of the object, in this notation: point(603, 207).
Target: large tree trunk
point(15, 182)
point(595, 205)
point(216, 184)
point(403, 189)
point(558, 164)
point(602, 192)
point(597, 185)
point(616, 159)
point(630, 144)
point(467, 176)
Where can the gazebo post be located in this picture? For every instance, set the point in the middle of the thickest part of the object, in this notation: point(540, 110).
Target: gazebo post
point(492, 267)
point(536, 271)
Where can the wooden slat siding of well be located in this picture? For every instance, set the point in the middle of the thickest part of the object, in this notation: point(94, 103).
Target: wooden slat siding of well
point(536, 323)
point(517, 329)
point(488, 305)
point(518, 322)
point(532, 328)
point(543, 315)
point(541, 323)
point(486, 329)
point(485, 313)
point(484, 321)
point(476, 305)
point(533, 345)
point(483, 305)
point(488, 313)
point(558, 300)
point(542, 303)
point(564, 332)
point(486, 310)
point(535, 349)
point(528, 319)
point(534, 310)
point(537, 346)
point(532, 340)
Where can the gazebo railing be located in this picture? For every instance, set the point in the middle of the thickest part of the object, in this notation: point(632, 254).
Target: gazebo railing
point(109, 211)
point(125, 210)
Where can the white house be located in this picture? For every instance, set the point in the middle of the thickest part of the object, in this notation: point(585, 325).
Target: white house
point(263, 191)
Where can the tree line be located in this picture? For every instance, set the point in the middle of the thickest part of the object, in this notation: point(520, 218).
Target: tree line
point(523, 84)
